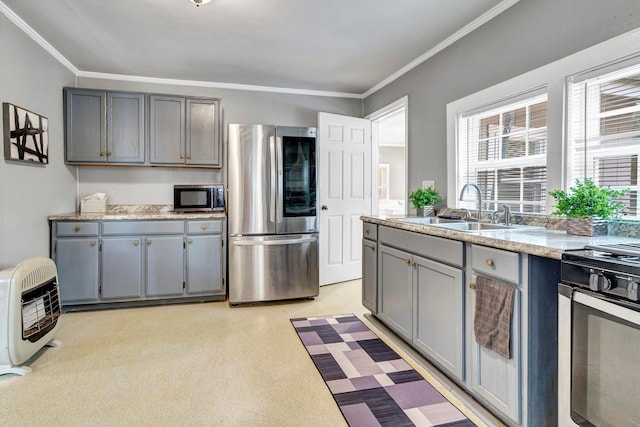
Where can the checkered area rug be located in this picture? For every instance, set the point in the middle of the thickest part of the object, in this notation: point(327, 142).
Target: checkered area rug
point(371, 383)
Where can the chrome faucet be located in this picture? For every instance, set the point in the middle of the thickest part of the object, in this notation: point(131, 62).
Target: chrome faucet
point(507, 214)
point(479, 196)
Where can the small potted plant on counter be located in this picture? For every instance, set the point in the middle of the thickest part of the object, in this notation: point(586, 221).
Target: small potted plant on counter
point(423, 200)
point(588, 207)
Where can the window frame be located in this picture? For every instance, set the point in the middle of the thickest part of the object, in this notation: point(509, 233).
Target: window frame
point(553, 78)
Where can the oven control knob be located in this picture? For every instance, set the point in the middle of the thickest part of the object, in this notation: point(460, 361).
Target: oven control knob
point(599, 282)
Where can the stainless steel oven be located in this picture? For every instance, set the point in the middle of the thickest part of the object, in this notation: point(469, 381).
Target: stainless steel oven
point(599, 337)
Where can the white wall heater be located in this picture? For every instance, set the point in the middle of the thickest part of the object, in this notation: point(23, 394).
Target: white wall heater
point(29, 312)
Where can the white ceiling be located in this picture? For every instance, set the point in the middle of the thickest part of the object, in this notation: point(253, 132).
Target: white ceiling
point(335, 46)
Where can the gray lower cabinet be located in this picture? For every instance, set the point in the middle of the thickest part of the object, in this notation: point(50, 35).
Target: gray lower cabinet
point(106, 262)
point(370, 267)
point(426, 294)
point(496, 379)
point(205, 257)
point(122, 272)
point(439, 314)
point(77, 263)
point(395, 291)
point(164, 266)
point(103, 127)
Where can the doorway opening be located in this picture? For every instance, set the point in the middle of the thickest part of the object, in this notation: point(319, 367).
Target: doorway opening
point(389, 157)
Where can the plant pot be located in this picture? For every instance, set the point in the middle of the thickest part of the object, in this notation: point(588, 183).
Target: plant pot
point(588, 226)
point(426, 211)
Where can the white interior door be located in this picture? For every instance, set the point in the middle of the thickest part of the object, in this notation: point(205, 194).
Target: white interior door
point(344, 194)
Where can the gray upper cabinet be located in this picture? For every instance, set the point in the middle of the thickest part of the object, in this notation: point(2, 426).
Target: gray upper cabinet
point(125, 127)
point(166, 130)
point(104, 127)
point(203, 128)
point(85, 121)
point(184, 131)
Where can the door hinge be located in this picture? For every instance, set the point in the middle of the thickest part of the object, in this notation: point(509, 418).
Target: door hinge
point(184, 245)
point(55, 247)
point(222, 241)
point(184, 285)
point(100, 246)
point(100, 290)
point(223, 280)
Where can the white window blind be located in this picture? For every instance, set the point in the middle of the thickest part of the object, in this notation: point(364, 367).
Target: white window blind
point(604, 133)
point(503, 151)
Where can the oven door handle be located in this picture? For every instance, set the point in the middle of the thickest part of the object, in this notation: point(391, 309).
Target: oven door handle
point(608, 305)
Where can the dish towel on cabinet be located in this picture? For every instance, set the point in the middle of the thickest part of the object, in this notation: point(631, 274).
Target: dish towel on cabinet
point(492, 319)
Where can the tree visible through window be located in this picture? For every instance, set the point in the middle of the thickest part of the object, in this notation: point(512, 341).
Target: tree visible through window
point(503, 151)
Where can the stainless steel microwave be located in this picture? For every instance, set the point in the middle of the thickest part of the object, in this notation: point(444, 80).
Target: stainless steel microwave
point(198, 198)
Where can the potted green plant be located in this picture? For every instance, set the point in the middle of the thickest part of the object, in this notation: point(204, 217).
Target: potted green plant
point(423, 200)
point(588, 207)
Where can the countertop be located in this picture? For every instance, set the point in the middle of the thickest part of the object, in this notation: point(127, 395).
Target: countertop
point(135, 212)
point(533, 241)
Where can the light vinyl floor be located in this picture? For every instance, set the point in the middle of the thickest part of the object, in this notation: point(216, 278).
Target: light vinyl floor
point(203, 364)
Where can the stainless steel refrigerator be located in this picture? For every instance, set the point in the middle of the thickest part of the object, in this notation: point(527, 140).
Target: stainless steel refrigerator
point(272, 213)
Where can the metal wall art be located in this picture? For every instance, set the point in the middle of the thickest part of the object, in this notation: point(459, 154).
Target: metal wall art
point(26, 135)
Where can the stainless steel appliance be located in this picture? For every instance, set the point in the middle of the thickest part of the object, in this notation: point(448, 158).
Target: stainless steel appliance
point(272, 213)
point(599, 336)
point(198, 198)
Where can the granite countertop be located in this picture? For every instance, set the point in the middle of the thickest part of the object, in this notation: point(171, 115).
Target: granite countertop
point(533, 241)
point(135, 212)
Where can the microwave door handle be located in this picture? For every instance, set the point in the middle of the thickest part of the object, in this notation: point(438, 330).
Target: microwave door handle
point(281, 199)
point(272, 184)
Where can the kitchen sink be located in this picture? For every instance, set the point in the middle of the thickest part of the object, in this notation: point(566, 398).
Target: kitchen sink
point(428, 220)
point(474, 226)
point(467, 226)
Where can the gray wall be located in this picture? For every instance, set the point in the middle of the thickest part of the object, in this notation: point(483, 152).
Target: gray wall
point(32, 79)
point(528, 35)
point(155, 185)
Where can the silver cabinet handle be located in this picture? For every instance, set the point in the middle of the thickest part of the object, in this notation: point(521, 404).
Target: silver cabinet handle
point(190, 241)
point(274, 242)
point(136, 243)
point(93, 243)
point(148, 241)
point(204, 227)
point(78, 228)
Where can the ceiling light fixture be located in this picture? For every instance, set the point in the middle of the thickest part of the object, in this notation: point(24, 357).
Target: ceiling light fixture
point(199, 2)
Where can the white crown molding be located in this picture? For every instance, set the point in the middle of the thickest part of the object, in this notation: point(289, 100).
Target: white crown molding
point(231, 86)
point(487, 16)
point(481, 20)
point(10, 14)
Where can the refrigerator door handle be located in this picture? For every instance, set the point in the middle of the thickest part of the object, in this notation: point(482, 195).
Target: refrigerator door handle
point(281, 200)
point(275, 242)
point(272, 184)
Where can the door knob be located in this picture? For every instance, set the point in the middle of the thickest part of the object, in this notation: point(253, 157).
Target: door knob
point(324, 207)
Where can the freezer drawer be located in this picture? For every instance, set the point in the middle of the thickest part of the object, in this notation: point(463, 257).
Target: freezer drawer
point(268, 268)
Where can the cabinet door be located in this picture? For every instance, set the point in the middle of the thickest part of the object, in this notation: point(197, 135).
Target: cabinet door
point(85, 131)
point(396, 290)
point(439, 308)
point(369, 274)
point(121, 268)
point(77, 264)
point(496, 379)
point(204, 264)
point(166, 129)
point(203, 142)
point(125, 128)
point(165, 265)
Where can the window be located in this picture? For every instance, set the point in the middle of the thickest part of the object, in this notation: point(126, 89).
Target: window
point(503, 150)
point(604, 133)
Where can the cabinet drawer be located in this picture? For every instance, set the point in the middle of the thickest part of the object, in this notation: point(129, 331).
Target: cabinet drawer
point(76, 228)
point(204, 227)
point(369, 231)
point(436, 248)
point(143, 227)
point(495, 262)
